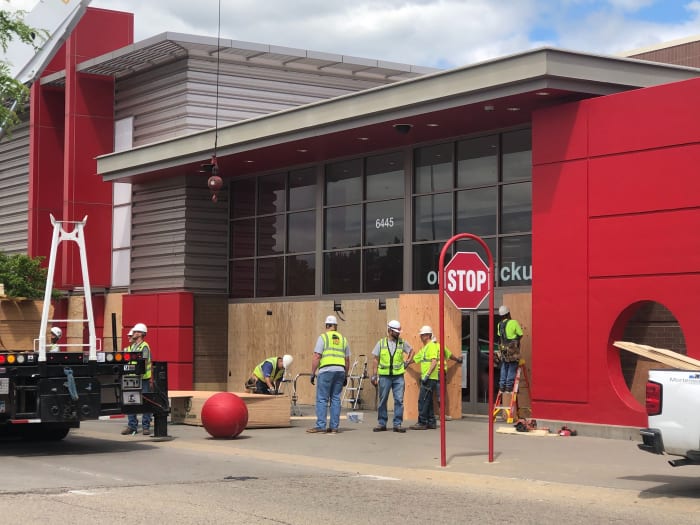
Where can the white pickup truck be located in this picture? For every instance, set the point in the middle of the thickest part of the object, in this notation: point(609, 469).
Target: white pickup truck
point(673, 406)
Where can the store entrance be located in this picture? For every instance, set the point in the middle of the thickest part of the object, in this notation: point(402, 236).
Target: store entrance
point(475, 370)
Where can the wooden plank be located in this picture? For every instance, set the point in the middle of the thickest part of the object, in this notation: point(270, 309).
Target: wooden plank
point(19, 323)
point(520, 305)
point(661, 355)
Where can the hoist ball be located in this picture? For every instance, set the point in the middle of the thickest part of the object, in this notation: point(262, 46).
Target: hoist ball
point(224, 415)
point(215, 183)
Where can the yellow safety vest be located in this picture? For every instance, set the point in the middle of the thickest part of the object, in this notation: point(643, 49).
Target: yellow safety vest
point(146, 353)
point(387, 362)
point(334, 345)
point(274, 376)
point(425, 357)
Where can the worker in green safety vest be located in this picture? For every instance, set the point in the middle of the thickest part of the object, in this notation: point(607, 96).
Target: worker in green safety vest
point(139, 344)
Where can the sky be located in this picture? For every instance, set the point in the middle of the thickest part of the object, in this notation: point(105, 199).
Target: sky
point(436, 33)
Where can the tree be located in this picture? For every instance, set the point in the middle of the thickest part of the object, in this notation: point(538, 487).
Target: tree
point(22, 275)
point(13, 94)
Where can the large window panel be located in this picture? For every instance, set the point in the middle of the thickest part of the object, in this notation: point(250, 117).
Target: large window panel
point(425, 266)
point(242, 198)
point(516, 261)
point(344, 182)
point(302, 189)
point(477, 210)
point(242, 278)
point(432, 215)
point(341, 272)
point(517, 155)
point(243, 238)
point(343, 227)
point(270, 277)
point(384, 222)
point(302, 232)
point(383, 269)
point(271, 235)
point(385, 176)
point(271, 194)
point(516, 209)
point(469, 245)
point(301, 274)
point(477, 161)
point(434, 168)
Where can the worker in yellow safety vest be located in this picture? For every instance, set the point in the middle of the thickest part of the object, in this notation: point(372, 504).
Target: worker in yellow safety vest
point(139, 344)
point(267, 376)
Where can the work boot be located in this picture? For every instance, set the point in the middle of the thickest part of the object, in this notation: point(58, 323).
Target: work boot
point(332, 431)
point(379, 428)
point(431, 427)
point(146, 431)
point(400, 429)
point(316, 430)
point(418, 426)
point(128, 431)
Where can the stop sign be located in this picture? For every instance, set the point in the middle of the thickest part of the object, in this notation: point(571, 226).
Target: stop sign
point(467, 280)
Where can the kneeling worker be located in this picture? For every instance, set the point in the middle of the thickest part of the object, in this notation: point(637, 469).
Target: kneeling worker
point(267, 376)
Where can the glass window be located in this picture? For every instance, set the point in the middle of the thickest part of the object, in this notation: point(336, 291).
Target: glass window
point(302, 232)
point(476, 211)
point(343, 227)
point(385, 176)
point(477, 161)
point(516, 208)
point(383, 269)
point(242, 198)
point(344, 182)
point(270, 277)
point(241, 278)
point(425, 266)
point(433, 217)
point(433, 168)
point(384, 222)
point(302, 189)
point(517, 155)
point(271, 194)
point(301, 274)
point(468, 245)
point(271, 235)
point(516, 261)
point(341, 272)
point(243, 238)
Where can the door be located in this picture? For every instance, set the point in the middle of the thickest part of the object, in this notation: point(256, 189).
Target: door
point(475, 370)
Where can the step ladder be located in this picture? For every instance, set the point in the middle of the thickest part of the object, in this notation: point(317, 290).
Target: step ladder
point(506, 409)
point(353, 389)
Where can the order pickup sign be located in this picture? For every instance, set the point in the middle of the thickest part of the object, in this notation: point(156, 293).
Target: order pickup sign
point(467, 280)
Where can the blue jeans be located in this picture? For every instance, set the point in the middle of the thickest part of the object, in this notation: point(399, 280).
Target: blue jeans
point(329, 385)
point(426, 410)
point(146, 417)
point(508, 371)
point(396, 385)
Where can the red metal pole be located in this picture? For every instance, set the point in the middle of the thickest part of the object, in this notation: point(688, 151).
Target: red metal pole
point(441, 339)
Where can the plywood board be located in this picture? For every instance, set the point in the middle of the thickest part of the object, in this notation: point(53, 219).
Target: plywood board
point(263, 411)
point(417, 310)
point(661, 355)
point(113, 305)
point(20, 321)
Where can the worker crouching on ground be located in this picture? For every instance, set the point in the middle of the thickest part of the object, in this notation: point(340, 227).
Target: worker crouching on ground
point(139, 344)
point(391, 357)
point(331, 360)
point(429, 359)
point(267, 376)
point(509, 334)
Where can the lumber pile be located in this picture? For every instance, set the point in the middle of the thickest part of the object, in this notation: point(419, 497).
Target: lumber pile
point(263, 411)
point(667, 357)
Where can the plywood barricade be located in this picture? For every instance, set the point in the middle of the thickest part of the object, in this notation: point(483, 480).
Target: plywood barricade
point(20, 320)
point(520, 305)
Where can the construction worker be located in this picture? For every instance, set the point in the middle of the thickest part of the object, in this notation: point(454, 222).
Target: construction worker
point(129, 336)
point(139, 344)
point(331, 361)
point(391, 357)
point(56, 334)
point(509, 334)
point(267, 376)
point(429, 359)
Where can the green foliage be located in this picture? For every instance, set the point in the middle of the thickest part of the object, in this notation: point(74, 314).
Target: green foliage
point(12, 27)
point(22, 275)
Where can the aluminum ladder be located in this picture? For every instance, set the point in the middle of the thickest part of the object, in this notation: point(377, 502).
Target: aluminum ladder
point(353, 389)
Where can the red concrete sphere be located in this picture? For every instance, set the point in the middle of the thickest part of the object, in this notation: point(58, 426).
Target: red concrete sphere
point(224, 415)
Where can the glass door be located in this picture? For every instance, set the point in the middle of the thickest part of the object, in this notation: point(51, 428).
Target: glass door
point(475, 370)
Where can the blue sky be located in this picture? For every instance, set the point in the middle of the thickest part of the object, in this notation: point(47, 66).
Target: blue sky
point(440, 33)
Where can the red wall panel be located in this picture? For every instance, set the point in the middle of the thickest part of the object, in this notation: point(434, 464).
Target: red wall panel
point(561, 134)
point(175, 309)
point(180, 376)
point(175, 344)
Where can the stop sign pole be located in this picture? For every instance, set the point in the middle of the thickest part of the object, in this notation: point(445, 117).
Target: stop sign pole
point(467, 288)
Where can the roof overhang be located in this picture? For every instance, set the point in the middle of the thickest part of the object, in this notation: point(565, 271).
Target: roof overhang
point(476, 98)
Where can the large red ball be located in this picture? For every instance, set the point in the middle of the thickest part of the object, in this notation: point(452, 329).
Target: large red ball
point(224, 415)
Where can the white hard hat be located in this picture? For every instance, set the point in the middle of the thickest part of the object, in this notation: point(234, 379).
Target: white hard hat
point(331, 320)
point(287, 360)
point(131, 332)
point(140, 327)
point(57, 331)
point(395, 326)
point(425, 330)
point(503, 310)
